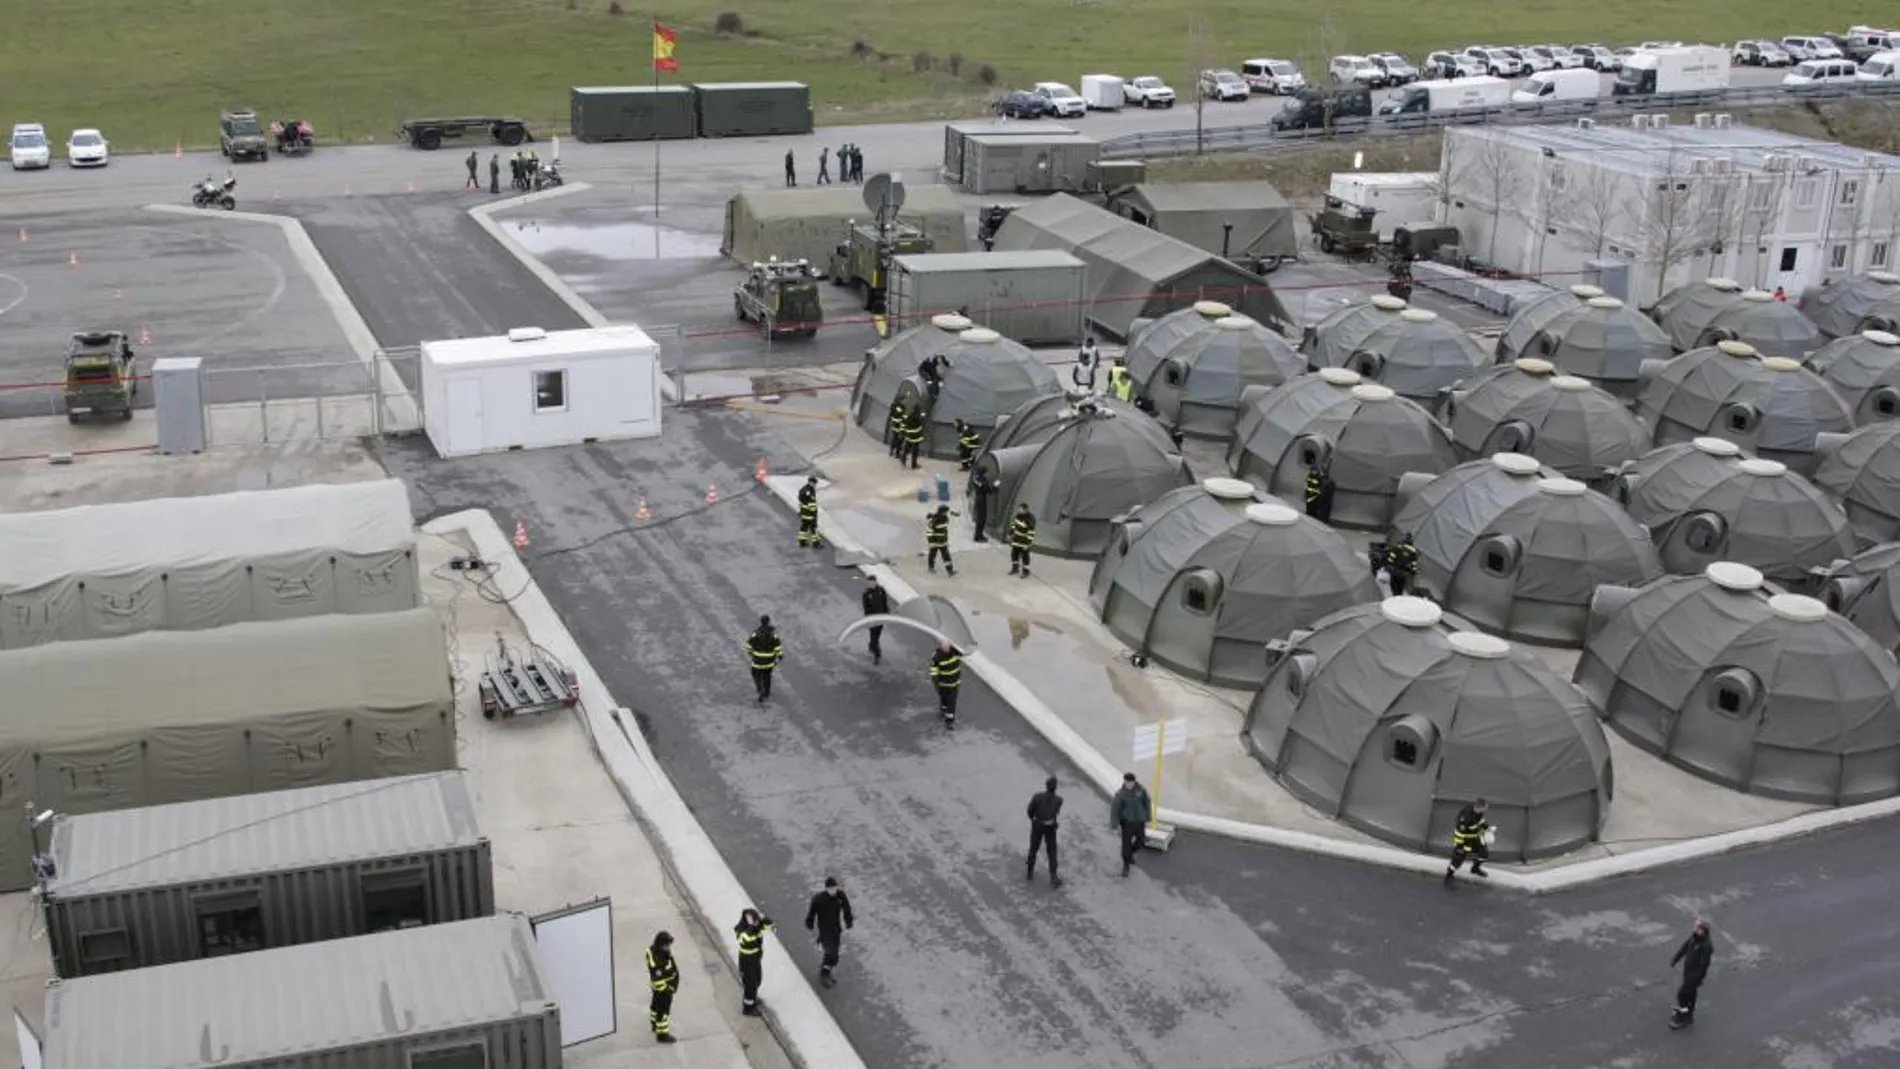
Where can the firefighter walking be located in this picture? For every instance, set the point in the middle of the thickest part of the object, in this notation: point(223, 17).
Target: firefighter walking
point(663, 975)
point(808, 514)
point(899, 420)
point(751, 931)
point(1470, 838)
point(766, 650)
point(1022, 536)
point(937, 541)
point(1045, 810)
point(969, 444)
point(946, 674)
point(1401, 564)
point(877, 602)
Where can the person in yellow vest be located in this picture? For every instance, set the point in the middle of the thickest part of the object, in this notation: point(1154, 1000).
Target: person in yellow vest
point(914, 431)
point(808, 514)
point(895, 432)
point(969, 444)
point(1022, 536)
point(663, 976)
point(946, 674)
point(1121, 385)
point(751, 931)
point(937, 539)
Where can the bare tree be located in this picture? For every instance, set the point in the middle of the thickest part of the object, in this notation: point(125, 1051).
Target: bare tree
point(1198, 53)
point(1681, 222)
point(1761, 202)
point(1887, 190)
point(1725, 208)
point(1548, 207)
point(1593, 204)
point(1488, 172)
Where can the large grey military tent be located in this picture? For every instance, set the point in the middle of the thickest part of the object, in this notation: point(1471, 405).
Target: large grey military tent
point(1838, 308)
point(170, 716)
point(1571, 426)
point(1772, 407)
point(988, 377)
point(1686, 311)
point(1415, 353)
point(1862, 471)
point(1768, 693)
point(1774, 328)
point(1701, 508)
point(1864, 369)
point(1363, 435)
point(894, 361)
point(1332, 341)
point(806, 224)
point(1195, 369)
point(1204, 576)
point(1235, 220)
point(1135, 272)
point(186, 563)
point(1865, 589)
point(1529, 317)
point(1602, 340)
point(1386, 719)
point(1078, 466)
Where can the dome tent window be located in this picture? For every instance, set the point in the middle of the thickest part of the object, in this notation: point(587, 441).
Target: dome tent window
point(1410, 741)
point(1514, 436)
point(1740, 418)
point(1299, 671)
point(1705, 532)
point(1886, 402)
point(1173, 374)
point(1734, 692)
point(1498, 557)
point(1200, 592)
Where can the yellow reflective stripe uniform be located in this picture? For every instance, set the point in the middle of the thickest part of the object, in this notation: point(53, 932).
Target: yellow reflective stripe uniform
point(1022, 531)
point(937, 531)
point(765, 652)
point(1468, 836)
point(1312, 486)
point(662, 973)
point(914, 428)
point(1121, 385)
point(970, 441)
point(946, 670)
point(752, 940)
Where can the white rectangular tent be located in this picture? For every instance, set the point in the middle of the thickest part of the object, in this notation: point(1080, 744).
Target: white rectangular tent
point(189, 563)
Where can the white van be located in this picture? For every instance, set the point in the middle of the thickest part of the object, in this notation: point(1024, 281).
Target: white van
point(1550, 87)
point(1880, 67)
point(1821, 72)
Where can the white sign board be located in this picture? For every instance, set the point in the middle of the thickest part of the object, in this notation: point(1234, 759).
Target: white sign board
point(1165, 736)
point(576, 950)
point(29, 1043)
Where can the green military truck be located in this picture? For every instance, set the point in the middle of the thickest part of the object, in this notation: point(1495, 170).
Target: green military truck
point(1344, 229)
point(862, 260)
point(99, 376)
point(781, 296)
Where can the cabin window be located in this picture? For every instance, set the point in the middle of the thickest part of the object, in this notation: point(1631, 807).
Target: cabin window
point(1788, 258)
point(550, 391)
point(1877, 256)
point(1850, 192)
point(230, 924)
point(460, 1056)
point(1837, 257)
point(106, 950)
point(395, 900)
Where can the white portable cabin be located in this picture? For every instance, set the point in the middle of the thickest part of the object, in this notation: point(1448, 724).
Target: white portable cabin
point(532, 389)
point(1400, 197)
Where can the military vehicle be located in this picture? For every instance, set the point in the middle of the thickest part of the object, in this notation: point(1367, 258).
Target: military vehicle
point(1344, 229)
point(99, 377)
point(781, 297)
point(1421, 241)
point(863, 259)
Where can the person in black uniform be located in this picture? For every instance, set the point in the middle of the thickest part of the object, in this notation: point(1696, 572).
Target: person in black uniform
point(914, 429)
point(1402, 564)
point(1468, 834)
point(931, 371)
point(1044, 810)
point(791, 170)
point(751, 931)
point(766, 651)
point(1694, 956)
point(663, 975)
point(824, 165)
point(1319, 493)
point(946, 674)
point(982, 489)
point(877, 602)
point(808, 514)
point(494, 172)
point(969, 444)
point(829, 915)
point(1022, 536)
point(937, 539)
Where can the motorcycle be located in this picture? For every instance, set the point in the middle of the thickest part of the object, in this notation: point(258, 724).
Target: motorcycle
point(212, 193)
point(548, 176)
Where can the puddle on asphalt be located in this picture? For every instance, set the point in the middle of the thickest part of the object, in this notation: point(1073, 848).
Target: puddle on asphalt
point(617, 241)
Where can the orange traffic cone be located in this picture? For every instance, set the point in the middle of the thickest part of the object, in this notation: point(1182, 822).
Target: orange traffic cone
point(760, 472)
point(712, 494)
point(521, 534)
point(642, 514)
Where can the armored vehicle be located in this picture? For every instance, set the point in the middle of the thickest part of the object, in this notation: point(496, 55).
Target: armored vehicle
point(99, 377)
point(1344, 229)
point(241, 136)
point(781, 297)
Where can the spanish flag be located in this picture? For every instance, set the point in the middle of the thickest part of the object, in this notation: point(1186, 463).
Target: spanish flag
point(664, 41)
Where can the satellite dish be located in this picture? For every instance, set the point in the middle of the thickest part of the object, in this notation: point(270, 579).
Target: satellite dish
point(884, 195)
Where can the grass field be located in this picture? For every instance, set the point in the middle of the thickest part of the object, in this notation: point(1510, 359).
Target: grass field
point(155, 74)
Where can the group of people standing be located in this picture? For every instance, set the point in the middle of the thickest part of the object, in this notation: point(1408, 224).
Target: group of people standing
point(850, 166)
point(524, 168)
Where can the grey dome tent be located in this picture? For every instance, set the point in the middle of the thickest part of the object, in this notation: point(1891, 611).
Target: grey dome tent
point(1774, 328)
point(1149, 337)
point(988, 377)
point(1449, 510)
point(1332, 341)
point(1602, 340)
point(1530, 317)
point(1774, 408)
point(1363, 435)
point(1417, 354)
point(1839, 307)
point(1864, 369)
point(1528, 571)
point(1078, 471)
point(894, 361)
point(1751, 511)
point(1883, 316)
point(1767, 693)
point(1865, 589)
point(1862, 471)
point(1389, 721)
point(1576, 429)
point(1203, 578)
point(1195, 377)
point(1686, 311)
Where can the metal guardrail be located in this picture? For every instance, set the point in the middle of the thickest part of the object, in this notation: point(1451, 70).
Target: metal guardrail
point(1262, 137)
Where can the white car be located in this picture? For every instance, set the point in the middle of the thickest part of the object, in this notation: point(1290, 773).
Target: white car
point(86, 148)
point(1801, 47)
point(1064, 103)
point(1276, 76)
point(1532, 59)
point(1496, 61)
point(28, 146)
point(1148, 91)
point(1561, 56)
point(1224, 85)
point(1598, 58)
point(1881, 67)
point(1821, 72)
point(1356, 70)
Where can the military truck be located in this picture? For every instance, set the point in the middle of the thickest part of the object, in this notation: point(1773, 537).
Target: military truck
point(862, 260)
point(99, 377)
point(781, 297)
point(1345, 229)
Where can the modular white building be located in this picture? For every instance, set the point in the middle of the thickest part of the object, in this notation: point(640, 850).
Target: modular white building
point(1677, 201)
point(1399, 197)
point(531, 389)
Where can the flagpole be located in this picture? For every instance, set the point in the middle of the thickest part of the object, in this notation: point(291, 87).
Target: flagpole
point(656, 145)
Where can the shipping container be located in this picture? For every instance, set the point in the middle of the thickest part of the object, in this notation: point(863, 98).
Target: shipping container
point(450, 996)
point(1037, 297)
point(957, 134)
point(632, 113)
point(170, 883)
point(1055, 163)
point(753, 109)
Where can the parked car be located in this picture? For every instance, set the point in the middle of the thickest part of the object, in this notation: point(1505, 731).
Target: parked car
point(1805, 47)
point(86, 148)
point(1398, 70)
point(1761, 54)
point(1821, 72)
point(1497, 62)
point(1148, 91)
point(1598, 58)
point(1561, 57)
point(1881, 67)
point(1355, 70)
point(1862, 42)
point(241, 136)
point(1223, 84)
point(28, 148)
point(1277, 76)
point(1064, 103)
point(1443, 66)
point(1021, 104)
point(1532, 60)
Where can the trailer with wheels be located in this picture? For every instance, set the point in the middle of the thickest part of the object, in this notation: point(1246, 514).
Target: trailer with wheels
point(430, 133)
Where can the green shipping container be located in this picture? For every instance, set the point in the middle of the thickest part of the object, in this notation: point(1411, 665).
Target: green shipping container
point(632, 113)
point(753, 109)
